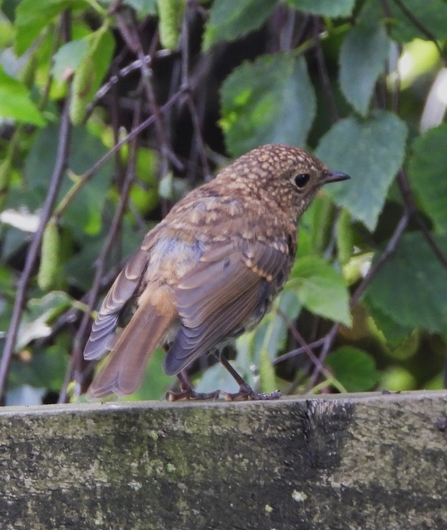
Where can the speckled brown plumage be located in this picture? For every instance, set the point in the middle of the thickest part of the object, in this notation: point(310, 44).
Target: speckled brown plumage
point(209, 271)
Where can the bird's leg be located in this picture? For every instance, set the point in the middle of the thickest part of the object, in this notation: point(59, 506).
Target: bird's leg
point(188, 392)
point(245, 390)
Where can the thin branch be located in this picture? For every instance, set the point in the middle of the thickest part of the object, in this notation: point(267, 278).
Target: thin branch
point(131, 37)
point(300, 339)
point(324, 76)
point(186, 85)
point(299, 351)
point(375, 267)
point(33, 251)
point(407, 195)
point(78, 342)
point(430, 36)
point(94, 169)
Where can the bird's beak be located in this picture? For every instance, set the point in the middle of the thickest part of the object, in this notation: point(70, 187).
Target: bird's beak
point(335, 176)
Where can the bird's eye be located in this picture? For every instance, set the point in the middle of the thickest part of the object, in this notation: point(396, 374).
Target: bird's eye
point(301, 180)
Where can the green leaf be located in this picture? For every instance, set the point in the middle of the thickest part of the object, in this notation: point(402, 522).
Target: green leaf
point(68, 58)
point(142, 7)
point(325, 8)
point(218, 378)
point(362, 59)
point(370, 151)
point(411, 287)
point(40, 312)
point(427, 172)
point(32, 17)
point(393, 332)
point(320, 288)
point(84, 213)
point(15, 101)
point(406, 18)
point(45, 369)
point(230, 19)
point(354, 368)
point(268, 101)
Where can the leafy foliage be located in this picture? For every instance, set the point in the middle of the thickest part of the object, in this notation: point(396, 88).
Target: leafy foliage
point(379, 151)
point(256, 103)
point(110, 112)
point(426, 170)
point(362, 59)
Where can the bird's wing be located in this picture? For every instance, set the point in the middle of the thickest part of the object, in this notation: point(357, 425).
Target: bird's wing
point(216, 299)
point(121, 291)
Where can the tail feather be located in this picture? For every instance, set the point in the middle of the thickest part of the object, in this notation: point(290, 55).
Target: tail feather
point(123, 373)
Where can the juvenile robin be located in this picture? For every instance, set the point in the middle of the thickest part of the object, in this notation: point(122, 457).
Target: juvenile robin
point(209, 271)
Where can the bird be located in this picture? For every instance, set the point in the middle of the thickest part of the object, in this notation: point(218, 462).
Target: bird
point(207, 272)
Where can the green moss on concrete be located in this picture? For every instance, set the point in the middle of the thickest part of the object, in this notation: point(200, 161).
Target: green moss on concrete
point(287, 464)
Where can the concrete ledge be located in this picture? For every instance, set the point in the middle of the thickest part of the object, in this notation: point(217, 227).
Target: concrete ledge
point(355, 462)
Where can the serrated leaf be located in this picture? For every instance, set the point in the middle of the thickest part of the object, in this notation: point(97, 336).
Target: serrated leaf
point(427, 172)
point(362, 59)
point(411, 287)
point(370, 151)
point(407, 17)
point(230, 19)
point(15, 101)
point(325, 8)
point(393, 332)
point(320, 288)
point(354, 368)
point(32, 17)
point(271, 100)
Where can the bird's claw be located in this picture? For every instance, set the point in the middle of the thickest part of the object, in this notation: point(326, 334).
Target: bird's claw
point(189, 393)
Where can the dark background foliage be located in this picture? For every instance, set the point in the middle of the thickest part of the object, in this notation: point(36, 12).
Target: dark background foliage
point(111, 111)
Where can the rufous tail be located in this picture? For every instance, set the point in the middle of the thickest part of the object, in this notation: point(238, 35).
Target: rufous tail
point(127, 361)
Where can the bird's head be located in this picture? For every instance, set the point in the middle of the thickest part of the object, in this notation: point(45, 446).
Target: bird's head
point(287, 175)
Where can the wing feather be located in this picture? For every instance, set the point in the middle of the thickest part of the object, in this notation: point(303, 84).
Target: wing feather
point(121, 291)
point(239, 283)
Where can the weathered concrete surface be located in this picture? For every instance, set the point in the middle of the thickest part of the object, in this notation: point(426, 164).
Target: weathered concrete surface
point(374, 462)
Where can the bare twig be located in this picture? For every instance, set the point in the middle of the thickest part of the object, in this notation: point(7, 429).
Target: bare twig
point(407, 195)
point(94, 169)
point(324, 76)
point(418, 24)
point(76, 361)
point(131, 37)
point(33, 251)
point(375, 267)
point(186, 86)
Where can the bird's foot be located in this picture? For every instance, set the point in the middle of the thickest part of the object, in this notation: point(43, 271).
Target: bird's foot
point(190, 393)
point(247, 393)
